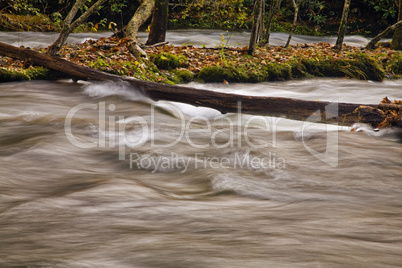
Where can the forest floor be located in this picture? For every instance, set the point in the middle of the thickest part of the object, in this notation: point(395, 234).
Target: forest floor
point(181, 64)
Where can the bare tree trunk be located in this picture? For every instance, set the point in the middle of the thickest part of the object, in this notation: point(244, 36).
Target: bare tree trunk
point(296, 7)
point(387, 31)
point(257, 23)
point(275, 4)
point(69, 26)
point(342, 26)
point(141, 15)
point(397, 38)
point(159, 22)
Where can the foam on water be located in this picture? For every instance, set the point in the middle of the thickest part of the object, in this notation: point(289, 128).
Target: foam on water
point(375, 132)
point(106, 89)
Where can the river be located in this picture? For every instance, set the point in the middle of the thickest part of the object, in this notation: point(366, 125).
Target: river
point(97, 175)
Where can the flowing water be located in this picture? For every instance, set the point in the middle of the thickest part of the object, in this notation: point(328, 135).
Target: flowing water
point(97, 175)
point(198, 38)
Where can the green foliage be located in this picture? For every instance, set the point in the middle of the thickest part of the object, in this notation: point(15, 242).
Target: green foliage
point(222, 46)
point(22, 7)
point(224, 14)
point(387, 7)
point(168, 61)
point(57, 18)
point(315, 11)
point(11, 22)
point(118, 5)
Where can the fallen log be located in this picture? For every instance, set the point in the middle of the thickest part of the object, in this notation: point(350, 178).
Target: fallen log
point(317, 111)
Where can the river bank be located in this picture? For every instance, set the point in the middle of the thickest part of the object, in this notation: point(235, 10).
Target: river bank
point(222, 63)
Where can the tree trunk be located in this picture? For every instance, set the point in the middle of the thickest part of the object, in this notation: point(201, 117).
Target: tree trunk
point(344, 113)
point(69, 26)
point(296, 7)
point(386, 32)
point(342, 26)
point(141, 15)
point(257, 23)
point(275, 4)
point(397, 38)
point(159, 22)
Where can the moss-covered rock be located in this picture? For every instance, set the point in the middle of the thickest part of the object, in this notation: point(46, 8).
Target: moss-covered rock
point(215, 74)
point(231, 73)
point(183, 76)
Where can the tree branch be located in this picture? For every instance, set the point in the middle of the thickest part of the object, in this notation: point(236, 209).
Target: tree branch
point(387, 31)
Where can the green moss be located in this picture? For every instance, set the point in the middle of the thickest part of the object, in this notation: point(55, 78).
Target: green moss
point(298, 69)
point(144, 70)
point(277, 72)
point(36, 73)
point(394, 66)
point(366, 67)
point(32, 73)
point(322, 67)
point(230, 73)
point(166, 61)
point(183, 76)
point(359, 66)
point(9, 76)
point(212, 74)
point(245, 74)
